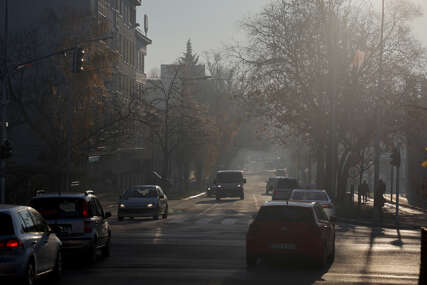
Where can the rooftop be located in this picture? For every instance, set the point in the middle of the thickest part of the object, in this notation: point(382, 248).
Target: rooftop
point(288, 203)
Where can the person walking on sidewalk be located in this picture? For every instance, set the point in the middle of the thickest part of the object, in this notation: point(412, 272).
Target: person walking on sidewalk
point(364, 190)
point(379, 198)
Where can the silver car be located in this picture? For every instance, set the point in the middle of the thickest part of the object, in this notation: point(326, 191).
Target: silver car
point(84, 226)
point(314, 195)
point(143, 201)
point(28, 246)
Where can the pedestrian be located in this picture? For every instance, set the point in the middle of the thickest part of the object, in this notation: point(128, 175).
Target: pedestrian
point(365, 190)
point(379, 198)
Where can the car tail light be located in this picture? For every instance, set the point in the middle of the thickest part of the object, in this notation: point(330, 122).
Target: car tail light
point(1, 244)
point(87, 227)
point(329, 206)
point(85, 211)
point(13, 243)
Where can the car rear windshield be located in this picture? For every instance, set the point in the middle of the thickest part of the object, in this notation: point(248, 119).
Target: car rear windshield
point(6, 225)
point(309, 196)
point(59, 208)
point(282, 194)
point(229, 177)
point(285, 214)
point(142, 192)
point(287, 184)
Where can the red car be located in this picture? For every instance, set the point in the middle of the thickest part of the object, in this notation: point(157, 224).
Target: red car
point(291, 229)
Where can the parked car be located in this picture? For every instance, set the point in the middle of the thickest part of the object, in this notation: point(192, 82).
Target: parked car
point(210, 190)
point(143, 201)
point(229, 183)
point(314, 195)
point(283, 188)
point(28, 246)
point(291, 230)
point(82, 220)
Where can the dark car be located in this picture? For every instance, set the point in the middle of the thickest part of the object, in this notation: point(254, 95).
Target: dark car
point(283, 188)
point(291, 230)
point(143, 201)
point(229, 183)
point(82, 220)
point(28, 246)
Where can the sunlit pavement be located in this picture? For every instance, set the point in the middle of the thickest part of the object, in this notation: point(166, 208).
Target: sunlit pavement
point(203, 242)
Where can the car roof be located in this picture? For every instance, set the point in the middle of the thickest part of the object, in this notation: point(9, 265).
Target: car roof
point(289, 203)
point(8, 207)
point(224, 171)
point(147, 186)
point(62, 195)
point(310, 190)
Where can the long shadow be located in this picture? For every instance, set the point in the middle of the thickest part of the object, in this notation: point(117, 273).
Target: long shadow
point(214, 201)
point(375, 232)
point(398, 242)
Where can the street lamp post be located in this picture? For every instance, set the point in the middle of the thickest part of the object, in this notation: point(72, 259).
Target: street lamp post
point(4, 102)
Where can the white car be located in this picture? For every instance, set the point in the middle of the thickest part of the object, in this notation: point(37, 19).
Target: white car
point(314, 195)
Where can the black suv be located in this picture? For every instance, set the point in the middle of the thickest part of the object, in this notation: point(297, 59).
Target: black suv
point(229, 183)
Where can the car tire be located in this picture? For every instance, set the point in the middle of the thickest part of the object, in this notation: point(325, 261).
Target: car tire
point(242, 196)
point(218, 198)
point(106, 250)
point(30, 275)
point(251, 260)
point(57, 270)
point(165, 214)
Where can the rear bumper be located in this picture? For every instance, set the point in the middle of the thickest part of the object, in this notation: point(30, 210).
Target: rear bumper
point(69, 245)
point(265, 250)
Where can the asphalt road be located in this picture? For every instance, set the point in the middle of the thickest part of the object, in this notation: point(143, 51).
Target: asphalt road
point(203, 242)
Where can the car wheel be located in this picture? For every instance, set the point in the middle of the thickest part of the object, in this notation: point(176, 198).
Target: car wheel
point(242, 196)
point(218, 198)
point(57, 270)
point(251, 260)
point(106, 250)
point(165, 214)
point(30, 275)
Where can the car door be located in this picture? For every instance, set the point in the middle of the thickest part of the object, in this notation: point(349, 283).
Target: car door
point(103, 223)
point(36, 239)
point(51, 244)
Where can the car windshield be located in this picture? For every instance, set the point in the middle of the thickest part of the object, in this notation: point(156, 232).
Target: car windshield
point(280, 172)
point(229, 177)
point(287, 184)
point(6, 227)
point(282, 194)
point(284, 214)
point(309, 196)
point(59, 208)
point(141, 192)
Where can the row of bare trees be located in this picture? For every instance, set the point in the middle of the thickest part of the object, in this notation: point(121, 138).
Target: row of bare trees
point(312, 69)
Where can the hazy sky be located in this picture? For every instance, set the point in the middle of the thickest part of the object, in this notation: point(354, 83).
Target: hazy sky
point(209, 23)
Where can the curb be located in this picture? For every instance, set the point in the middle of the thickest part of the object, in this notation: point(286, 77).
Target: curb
point(194, 197)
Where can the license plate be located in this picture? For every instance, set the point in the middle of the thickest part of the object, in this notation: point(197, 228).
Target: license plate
point(290, 246)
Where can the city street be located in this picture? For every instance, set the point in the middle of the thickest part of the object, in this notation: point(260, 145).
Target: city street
point(203, 242)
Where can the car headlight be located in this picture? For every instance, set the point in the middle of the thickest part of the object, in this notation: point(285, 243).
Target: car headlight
point(150, 205)
point(122, 206)
point(238, 186)
point(218, 186)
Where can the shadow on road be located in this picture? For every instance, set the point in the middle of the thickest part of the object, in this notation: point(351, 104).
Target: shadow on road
point(214, 201)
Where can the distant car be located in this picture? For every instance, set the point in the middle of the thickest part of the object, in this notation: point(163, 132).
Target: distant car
point(291, 230)
point(28, 246)
point(143, 201)
point(314, 195)
point(281, 172)
point(284, 187)
point(229, 183)
point(82, 220)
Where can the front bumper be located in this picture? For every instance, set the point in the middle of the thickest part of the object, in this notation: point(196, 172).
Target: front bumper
point(137, 212)
point(222, 193)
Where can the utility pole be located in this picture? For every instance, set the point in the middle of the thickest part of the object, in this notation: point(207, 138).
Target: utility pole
point(4, 102)
point(378, 110)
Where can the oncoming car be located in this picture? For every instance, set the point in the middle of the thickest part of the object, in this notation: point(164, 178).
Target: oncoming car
point(143, 201)
point(229, 183)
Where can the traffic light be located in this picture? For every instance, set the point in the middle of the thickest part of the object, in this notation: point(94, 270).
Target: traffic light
point(395, 157)
point(78, 60)
point(5, 150)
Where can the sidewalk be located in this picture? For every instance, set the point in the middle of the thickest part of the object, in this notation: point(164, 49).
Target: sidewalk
point(409, 217)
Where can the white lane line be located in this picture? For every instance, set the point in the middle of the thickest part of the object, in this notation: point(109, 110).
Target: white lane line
point(194, 197)
point(256, 201)
point(208, 209)
point(228, 221)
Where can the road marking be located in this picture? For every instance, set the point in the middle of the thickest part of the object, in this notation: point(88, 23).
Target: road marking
point(256, 201)
point(228, 221)
point(208, 209)
point(194, 197)
point(204, 221)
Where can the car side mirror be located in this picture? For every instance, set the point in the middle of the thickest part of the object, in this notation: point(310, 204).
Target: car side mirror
point(107, 215)
point(244, 180)
point(333, 219)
